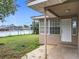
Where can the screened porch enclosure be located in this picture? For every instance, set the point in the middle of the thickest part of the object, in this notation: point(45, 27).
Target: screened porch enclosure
point(59, 31)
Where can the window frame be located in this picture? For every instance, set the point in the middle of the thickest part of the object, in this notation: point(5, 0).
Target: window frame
point(74, 34)
point(48, 24)
point(54, 26)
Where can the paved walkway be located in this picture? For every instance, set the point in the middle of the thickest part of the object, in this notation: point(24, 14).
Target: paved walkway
point(54, 52)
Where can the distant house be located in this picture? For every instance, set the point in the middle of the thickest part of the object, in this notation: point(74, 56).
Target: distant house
point(13, 27)
point(3, 28)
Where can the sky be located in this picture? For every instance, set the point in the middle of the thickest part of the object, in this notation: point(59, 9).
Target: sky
point(22, 16)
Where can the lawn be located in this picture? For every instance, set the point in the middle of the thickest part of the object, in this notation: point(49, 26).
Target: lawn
point(16, 46)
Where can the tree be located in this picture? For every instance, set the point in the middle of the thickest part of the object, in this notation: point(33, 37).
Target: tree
point(7, 7)
point(35, 27)
point(26, 26)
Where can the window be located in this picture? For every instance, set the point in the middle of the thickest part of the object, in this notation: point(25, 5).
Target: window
point(52, 26)
point(74, 25)
point(42, 26)
point(55, 26)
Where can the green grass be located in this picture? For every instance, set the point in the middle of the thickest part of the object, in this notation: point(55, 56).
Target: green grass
point(16, 46)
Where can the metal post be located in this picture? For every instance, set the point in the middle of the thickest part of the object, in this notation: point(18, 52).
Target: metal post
point(45, 34)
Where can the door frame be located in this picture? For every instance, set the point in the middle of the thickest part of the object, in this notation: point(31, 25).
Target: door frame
point(61, 31)
point(67, 17)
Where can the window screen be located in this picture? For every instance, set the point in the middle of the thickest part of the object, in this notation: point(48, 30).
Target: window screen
point(52, 26)
point(55, 26)
point(74, 25)
point(42, 26)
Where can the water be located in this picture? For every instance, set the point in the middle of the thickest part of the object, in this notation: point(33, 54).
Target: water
point(10, 33)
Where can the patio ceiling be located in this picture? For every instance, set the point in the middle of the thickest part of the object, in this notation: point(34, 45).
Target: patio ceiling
point(40, 6)
point(70, 7)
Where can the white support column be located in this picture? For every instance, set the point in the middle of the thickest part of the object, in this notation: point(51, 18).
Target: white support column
point(78, 34)
point(39, 26)
point(45, 35)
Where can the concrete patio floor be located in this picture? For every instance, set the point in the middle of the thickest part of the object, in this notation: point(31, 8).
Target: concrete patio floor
point(54, 52)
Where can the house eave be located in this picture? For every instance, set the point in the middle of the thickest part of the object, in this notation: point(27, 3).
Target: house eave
point(39, 6)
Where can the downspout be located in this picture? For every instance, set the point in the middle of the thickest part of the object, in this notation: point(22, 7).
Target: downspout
point(45, 34)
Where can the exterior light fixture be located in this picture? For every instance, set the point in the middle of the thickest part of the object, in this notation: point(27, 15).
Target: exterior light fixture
point(67, 11)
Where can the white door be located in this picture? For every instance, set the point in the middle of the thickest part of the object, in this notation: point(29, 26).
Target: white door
point(66, 30)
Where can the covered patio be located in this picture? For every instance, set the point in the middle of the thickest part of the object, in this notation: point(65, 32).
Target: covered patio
point(67, 47)
point(53, 52)
point(64, 11)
